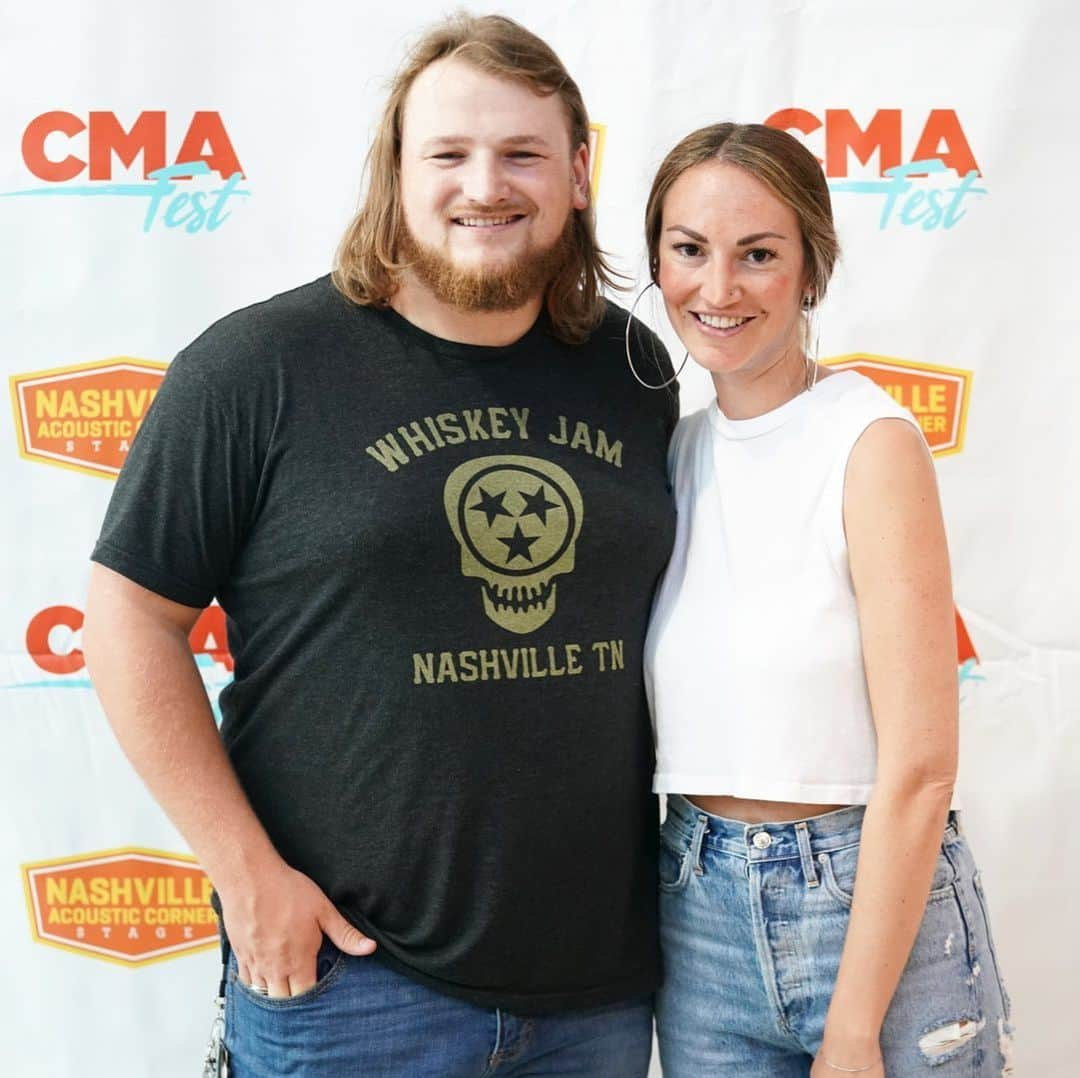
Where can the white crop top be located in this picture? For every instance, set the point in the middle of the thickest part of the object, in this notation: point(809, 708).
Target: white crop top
point(753, 662)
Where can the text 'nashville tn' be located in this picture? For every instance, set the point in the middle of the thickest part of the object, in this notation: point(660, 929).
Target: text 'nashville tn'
point(499, 664)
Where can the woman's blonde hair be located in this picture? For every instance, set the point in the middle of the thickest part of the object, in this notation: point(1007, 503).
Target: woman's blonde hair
point(778, 160)
point(367, 265)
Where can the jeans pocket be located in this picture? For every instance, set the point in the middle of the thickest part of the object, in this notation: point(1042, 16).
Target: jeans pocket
point(838, 875)
point(329, 965)
point(674, 863)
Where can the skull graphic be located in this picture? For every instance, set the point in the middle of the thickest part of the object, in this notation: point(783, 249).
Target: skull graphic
point(516, 520)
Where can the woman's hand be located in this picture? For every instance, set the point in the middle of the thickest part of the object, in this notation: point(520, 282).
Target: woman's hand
point(849, 1050)
point(844, 1066)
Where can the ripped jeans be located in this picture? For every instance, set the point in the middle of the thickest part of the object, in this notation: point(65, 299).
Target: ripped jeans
point(752, 921)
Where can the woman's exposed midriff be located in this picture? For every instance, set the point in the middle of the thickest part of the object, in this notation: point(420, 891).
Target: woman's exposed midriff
point(748, 810)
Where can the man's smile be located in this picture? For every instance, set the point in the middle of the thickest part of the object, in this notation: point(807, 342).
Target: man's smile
point(471, 221)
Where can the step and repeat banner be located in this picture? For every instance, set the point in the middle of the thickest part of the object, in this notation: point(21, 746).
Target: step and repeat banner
point(161, 166)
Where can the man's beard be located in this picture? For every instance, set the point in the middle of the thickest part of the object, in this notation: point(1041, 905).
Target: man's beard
point(507, 286)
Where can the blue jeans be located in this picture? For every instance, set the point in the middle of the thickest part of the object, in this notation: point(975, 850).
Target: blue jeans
point(362, 1018)
point(752, 922)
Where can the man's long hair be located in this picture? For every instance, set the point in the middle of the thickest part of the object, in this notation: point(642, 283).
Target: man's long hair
point(368, 265)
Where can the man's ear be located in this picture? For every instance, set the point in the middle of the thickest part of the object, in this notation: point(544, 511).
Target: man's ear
point(580, 166)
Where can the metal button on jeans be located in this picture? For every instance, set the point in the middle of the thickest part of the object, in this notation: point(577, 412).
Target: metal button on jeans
point(762, 840)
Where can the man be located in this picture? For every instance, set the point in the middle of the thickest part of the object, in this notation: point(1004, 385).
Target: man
point(433, 505)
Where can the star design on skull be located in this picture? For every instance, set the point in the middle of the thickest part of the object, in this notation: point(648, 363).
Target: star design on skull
point(491, 505)
point(518, 544)
point(537, 505)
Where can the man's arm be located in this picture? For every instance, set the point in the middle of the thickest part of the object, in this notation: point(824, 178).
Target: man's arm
point(137, 652)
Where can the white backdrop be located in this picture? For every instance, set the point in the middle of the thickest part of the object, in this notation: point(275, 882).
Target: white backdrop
point(962, 286)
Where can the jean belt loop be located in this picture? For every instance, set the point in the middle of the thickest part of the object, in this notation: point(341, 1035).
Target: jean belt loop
point(806, 859)
point(698, 838)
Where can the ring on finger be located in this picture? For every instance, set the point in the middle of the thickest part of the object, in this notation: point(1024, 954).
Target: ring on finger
point(260, 989)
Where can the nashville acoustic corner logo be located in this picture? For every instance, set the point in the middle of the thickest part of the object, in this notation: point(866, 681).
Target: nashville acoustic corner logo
point(84, 417)
point(517, 520)
point(193, 194)
point(129, 906)
point(936, 396)
point(916, 190)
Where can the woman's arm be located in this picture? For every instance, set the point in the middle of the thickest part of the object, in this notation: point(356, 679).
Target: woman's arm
point(900, 569)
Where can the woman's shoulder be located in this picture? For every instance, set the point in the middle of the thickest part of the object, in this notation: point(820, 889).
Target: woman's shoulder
point(689, 431)
point(849, 404)
point(853, 393)
point(686, 440)
point(884, 457)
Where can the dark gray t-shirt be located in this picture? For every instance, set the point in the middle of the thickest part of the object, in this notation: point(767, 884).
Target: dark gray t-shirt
point(437, 561)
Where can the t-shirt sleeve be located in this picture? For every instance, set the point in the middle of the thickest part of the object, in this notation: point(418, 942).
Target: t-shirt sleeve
point(185, 493)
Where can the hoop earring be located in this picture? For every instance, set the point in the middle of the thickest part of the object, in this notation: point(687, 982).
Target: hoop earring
point(626, 337)
point(813, 335)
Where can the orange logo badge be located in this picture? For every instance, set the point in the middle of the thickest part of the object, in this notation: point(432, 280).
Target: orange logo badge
point(129, 906)
point(84, 417)
point(936, 396)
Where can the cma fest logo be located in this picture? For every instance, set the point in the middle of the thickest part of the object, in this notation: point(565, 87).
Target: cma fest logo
point(53, 648)
point(930, 187)
point(65, 151)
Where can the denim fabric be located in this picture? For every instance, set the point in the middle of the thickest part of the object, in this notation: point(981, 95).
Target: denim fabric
point(753, 918)
point(362, 1018)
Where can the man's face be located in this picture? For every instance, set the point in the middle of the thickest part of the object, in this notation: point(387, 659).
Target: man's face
point(488, 184)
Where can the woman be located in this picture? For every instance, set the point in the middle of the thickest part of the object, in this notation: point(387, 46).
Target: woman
point(820, 910)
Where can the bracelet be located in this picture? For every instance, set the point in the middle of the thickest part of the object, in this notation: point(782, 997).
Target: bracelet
point(850, 1070)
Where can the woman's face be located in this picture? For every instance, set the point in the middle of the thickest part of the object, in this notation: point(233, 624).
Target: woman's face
point(732, 270)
